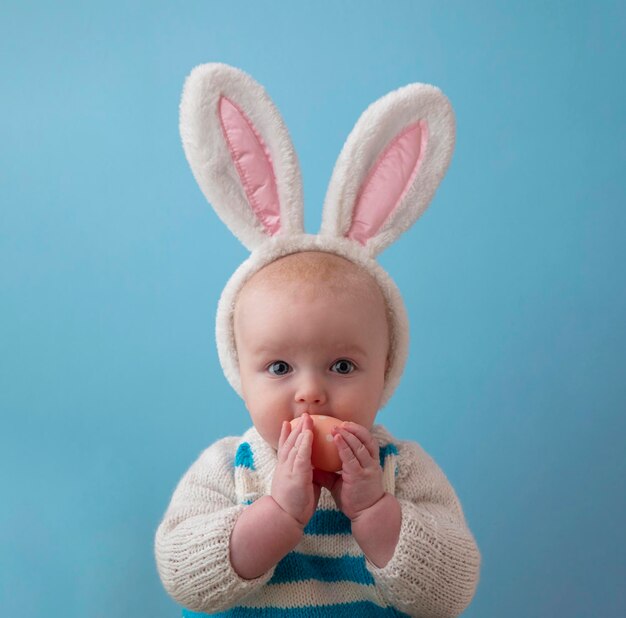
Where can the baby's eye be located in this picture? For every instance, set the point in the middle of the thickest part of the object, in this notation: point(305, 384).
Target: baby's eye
point(343, 366)
point(279, 368)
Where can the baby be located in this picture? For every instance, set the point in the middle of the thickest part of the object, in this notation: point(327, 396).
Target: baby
point(309, 326)
point(312, 338)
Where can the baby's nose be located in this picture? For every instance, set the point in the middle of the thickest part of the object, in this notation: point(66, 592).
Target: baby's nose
point(309, 398)
point(311, 390)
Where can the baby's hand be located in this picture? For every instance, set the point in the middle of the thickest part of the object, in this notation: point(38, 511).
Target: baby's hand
point(361, 482)
point(292, 486)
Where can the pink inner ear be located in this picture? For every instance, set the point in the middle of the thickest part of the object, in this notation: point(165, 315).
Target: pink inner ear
point(253, 163)
point(388, 181)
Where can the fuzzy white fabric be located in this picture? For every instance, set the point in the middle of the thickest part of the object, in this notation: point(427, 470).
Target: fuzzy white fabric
point(377, 126)
point(213, 167)
point(210, 159)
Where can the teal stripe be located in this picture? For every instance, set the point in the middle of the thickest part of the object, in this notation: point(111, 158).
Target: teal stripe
point(297, 567)
point(386, 451)
point(328, 522)
point(244, 456)
point(359, 609)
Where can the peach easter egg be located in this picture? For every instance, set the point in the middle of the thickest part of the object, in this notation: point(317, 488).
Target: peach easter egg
point(325, 455)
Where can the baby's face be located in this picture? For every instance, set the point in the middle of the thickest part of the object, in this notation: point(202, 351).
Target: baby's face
point(304, 348)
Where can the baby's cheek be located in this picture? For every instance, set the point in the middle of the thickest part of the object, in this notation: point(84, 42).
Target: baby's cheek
point(356, 407)
point(266, 423)
point(271, 432)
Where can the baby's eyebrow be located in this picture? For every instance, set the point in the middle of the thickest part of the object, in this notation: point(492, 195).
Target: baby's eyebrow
point(350, 348)
point(338, 349)
point(270, 350)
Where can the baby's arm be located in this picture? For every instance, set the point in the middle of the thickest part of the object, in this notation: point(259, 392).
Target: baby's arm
point(417, 544)
point(434, 570)
point(377, 530)
point(210, 550)
point(374, 514)
point(273, 525)
point(192, 541)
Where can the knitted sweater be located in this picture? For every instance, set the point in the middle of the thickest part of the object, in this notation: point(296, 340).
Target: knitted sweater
point(432, 573)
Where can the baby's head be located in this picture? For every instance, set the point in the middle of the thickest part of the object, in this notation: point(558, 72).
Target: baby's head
point(312, 333)
point(319, 303)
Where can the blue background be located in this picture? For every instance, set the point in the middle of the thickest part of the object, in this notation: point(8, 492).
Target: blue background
point(111, 264)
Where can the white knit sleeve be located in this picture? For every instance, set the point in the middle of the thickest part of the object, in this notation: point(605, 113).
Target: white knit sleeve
point(435, 567)
point(192, 542)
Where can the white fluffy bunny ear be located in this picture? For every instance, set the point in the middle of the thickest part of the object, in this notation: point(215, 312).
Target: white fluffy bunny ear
point(241, 154)
point(390, 167)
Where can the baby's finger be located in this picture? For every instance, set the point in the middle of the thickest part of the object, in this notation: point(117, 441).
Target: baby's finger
point(303, 456)
point(306, 421)
point(349, 462)
point(291, 438)
point(284, 433)
point(364, 436)
point(358, 448)
point(293, 453)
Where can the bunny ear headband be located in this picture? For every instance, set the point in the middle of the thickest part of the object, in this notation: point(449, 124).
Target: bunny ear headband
point(242, 157)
